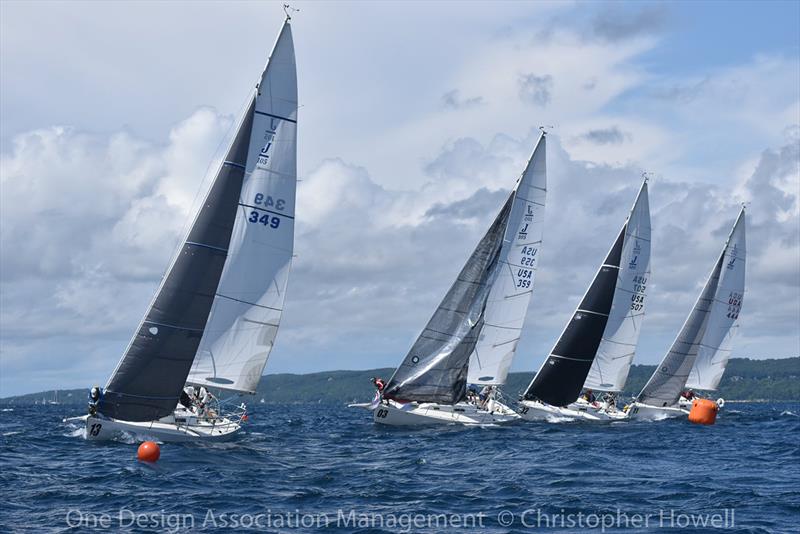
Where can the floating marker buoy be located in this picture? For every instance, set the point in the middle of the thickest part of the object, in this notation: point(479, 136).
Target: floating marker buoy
point(703, 412)
point(149, 451)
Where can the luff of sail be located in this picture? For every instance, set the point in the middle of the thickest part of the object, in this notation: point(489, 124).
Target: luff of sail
point(615, 354)
point(248, 305)
point(511, 292)
point(560, 378)
point(715, 348)
point(148, 379)
point(435, 369)
point(670, 377)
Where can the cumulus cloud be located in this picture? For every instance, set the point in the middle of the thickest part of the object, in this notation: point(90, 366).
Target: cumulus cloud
point(371, 262)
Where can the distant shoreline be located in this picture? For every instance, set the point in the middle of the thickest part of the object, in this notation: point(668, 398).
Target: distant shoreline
point(745, 380)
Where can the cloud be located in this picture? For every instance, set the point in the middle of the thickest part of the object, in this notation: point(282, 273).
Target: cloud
point(615, 24)
point(452, 100)
point(372, 262)
point(606, 136)
point(535, 89)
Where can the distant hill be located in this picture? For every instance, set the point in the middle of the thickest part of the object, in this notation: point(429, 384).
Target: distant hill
point(745, 379)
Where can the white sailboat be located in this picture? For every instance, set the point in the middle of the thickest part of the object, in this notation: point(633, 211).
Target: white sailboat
point(598, 344)
point(215, 316)
point(473, 335)
point(699, 354)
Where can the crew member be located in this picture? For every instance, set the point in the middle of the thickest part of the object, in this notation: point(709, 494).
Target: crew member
point(95, 394)
point(378, 383)
point(588, 396)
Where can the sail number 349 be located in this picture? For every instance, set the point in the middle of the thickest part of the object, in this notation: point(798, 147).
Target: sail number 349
point(268, 202)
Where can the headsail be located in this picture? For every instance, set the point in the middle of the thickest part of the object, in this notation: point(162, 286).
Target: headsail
point(708, 324)
point(435, 369)
point(148, 379)
point(612, 363)
point(248, 305)
point(560, 378)
point(511, 292)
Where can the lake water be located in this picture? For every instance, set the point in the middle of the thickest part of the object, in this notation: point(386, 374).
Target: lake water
point(305, 468)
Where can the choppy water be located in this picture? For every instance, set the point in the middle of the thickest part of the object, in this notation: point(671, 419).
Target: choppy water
point(300, 467)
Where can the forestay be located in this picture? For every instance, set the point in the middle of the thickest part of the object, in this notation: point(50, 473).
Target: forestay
point(510, 294)
point(615, 354)
point(435, 369)
point(249, 302)
point(723, 321)
point(708, 324)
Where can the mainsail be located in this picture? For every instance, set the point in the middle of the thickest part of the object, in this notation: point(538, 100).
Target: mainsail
point(510, 294)
point(248, 304)
point(148, 379)
point(708, 328)
point(615, 354)
point(560, 378)
point(435, 369)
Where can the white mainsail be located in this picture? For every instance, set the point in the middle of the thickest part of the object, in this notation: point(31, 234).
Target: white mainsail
point(511, 291)
point(715, 348)
point(247, 307)
point(615, 354)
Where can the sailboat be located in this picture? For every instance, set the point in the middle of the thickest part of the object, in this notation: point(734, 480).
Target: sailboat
point(213, 321)
point(598, 344)
point(699, 354)
point(474, 332)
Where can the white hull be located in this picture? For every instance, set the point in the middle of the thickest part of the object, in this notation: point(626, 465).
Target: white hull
point(179, 427)
point(539, 411)
point(428, 414)
point(645, 412)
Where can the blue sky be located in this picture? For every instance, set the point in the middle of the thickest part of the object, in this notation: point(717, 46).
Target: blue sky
point(415, 117)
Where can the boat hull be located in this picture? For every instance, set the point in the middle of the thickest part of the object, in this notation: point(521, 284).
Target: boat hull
point(646, 412)
point(539, 411)
point(165, 430)
point(430, 414)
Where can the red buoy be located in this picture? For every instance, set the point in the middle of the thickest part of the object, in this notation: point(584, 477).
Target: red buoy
point(149, 451)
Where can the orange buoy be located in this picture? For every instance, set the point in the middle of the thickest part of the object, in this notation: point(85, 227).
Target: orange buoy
point(703, 412)
point(149, 451)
